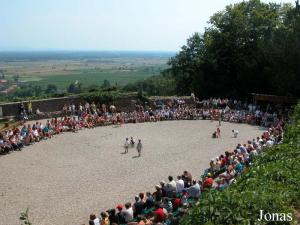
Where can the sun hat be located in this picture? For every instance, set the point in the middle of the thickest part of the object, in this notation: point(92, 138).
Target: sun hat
point(157, 186)
point(162, 182)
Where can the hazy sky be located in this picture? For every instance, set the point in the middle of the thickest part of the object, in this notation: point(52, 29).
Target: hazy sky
point(162, 25)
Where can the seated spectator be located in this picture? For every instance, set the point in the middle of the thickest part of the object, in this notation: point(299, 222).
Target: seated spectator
point(158, 193)
point(113, 217)
point(176, 202)
point(121, 217)
point(104, 218)
point(159, 214)
point(179, 184)
point(138, 206)
point(238, 167)
point(163, 188)
point(228, 175)
point(94, 220)
point(208, 182)
point(167, 204)
point(39, 113)
point(184, 198)
point(171, 220)
point(128, 212)
point(142, 220)
point(170, 187)
point(187, 178)
point(194, 191)
point(149, 201)
point(220, 184)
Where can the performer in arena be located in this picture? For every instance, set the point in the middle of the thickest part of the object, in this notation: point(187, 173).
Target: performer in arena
point(235, 133)
point(139, 147)
point(132, 142)
point(218, 132)
point(126, 145)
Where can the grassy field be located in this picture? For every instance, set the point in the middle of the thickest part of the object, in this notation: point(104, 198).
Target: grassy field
point(87, 68)
point(88, 78)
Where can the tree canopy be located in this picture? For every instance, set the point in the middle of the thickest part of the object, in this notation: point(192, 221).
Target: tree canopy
point(248, 47)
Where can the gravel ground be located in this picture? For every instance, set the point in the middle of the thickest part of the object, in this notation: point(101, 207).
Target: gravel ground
point(64, 179)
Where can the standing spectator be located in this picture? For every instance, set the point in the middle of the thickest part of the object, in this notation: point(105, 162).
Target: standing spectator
point(73, 109)
point(29, 107)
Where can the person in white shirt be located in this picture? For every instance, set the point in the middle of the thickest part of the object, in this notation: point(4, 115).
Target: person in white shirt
point(269, 143)
point(126, 145)
point(171, 187)
point(132, 142)
point(95, 220)
point(127, 212)
point(235, 133)
point(179, 184)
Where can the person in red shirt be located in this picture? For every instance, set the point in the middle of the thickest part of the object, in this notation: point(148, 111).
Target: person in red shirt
point(208, 181)
point(159, 215)
point(176, 202)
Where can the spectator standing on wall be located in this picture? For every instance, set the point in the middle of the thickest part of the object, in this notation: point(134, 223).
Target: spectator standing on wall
point(29, 107)
point(22, 111)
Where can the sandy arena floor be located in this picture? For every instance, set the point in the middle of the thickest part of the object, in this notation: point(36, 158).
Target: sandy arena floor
point(64, 179)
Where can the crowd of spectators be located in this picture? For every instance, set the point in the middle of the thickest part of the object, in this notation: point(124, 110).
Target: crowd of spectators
point(171, 199)
point(90, 115)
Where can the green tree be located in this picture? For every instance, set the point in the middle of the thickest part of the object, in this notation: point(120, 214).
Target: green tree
point(75, 88)
point(105, 84)
point(51, 89)
point(248, 47)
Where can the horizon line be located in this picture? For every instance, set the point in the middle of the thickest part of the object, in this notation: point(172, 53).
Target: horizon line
point(82, 50)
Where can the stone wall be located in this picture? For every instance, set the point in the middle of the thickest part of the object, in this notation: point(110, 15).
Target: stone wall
point(124, 103)
point(44, 105)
